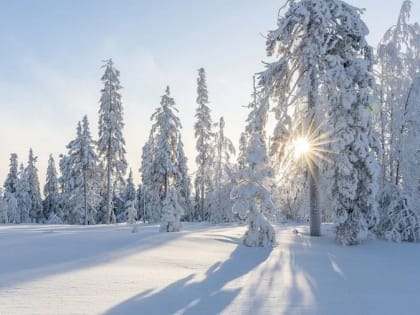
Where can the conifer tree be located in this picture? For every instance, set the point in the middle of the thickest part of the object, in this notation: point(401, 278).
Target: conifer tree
point(251, 196)
point(204, 136)
point(221, 205)
point(325, 66)
point(111, 143)
point(3, 207)
point(24, 199)
point(51, 201)
point(171, 212)
point(129, 199)
point(31, 173)
point(161, 163)
point(82, 169)
point(182, 181)
point(10, 187)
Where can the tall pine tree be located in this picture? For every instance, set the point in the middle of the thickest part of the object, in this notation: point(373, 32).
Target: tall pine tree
point(204, 136)
point(31, 173)
point(51, 201)
point(111, 143)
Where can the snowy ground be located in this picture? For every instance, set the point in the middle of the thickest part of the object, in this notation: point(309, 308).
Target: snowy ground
point(202, 270)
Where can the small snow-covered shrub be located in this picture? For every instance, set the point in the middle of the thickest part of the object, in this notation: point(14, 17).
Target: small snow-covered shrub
point(171, 212)
point(399, 222)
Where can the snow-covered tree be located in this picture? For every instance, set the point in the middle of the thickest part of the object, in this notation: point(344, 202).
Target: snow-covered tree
point(251, 196)
point(204, 136)
point(24, 201)
point(221, 205)
point(398, 221)
point(31, 172)
point(325, 66)
point(149, 196)
point(111, 143)
point(354, 168)
point(10, 187)
point(52, 198)
point(12, 176)
point(3, 208)
point(183, 181)
point(81, 166)
point(160, 165)
point(171, 212)
point(398, 59)
point(409, 167)
point(129, 198)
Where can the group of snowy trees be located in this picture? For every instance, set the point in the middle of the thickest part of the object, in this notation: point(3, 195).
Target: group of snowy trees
point(91, 179)
point(358, 111)
point(322, 81)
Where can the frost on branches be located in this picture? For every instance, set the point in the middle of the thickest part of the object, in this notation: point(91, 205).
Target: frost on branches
point(111, 143)
point(221, 205)
point(251, 197)
point(325, 63)
point(163, 160)
point(350, 87)
point(31, 174)
point(171, 212)
point(51, 201)
point(398, 221)
point(204, 136)
point(398, 65)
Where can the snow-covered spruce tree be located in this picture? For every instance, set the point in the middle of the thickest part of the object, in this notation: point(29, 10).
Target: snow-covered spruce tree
point(350, 85)
point(24, 201)
point(66, 182)
point(183, 182)
point(163, 169)
point(52, 198)
point(251, 197)
point(10, 186)
point(398, 59)
point(111, 143)
point(221, 205)
point(3, 207)
point(204, 136)
point(83, 165)
point(295, 78)
point(129, 198)
point(150, 198)
point(171, 212)
point(12, 176)
point(36, 214)
point(243, 140)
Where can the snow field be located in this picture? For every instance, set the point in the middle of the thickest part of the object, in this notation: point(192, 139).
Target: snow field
point(47, 269)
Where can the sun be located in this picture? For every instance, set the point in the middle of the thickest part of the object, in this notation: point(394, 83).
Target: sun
point(302, 146)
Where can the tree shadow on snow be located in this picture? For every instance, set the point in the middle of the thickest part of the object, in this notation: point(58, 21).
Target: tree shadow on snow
point(207, 296)
point(327, 278)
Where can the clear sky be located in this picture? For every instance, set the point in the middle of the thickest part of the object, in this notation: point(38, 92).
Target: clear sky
point(51, 53)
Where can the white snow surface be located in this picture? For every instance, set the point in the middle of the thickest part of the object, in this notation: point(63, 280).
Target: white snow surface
point(61, 269)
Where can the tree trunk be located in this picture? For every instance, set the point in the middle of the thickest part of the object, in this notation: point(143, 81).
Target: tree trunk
point(315, 214)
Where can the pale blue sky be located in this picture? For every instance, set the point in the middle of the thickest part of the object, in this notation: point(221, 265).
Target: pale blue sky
point(51, 52)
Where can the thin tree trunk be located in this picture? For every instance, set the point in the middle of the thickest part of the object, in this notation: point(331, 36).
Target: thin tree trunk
point(315, 213)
